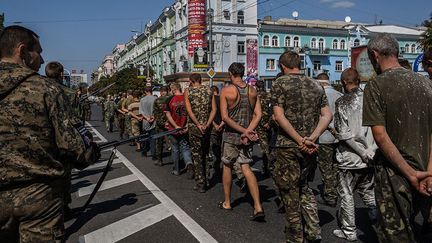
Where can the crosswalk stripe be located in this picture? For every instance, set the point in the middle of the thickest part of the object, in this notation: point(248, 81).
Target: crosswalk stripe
point(96, 132)
point(102, 164)
point(107, 184)
point(127, 226)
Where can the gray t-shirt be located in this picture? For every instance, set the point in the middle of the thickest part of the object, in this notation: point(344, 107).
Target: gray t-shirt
point(146, 109)
point(332, 95)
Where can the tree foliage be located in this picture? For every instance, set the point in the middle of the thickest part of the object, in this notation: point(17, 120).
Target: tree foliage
point(426, 37)
point(125, 79)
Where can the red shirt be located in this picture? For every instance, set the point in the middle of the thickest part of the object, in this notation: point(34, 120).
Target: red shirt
point(176, 106)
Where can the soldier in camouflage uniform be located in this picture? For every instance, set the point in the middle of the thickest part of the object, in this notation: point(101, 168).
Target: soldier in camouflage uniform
point(264, 126)
point(397, 105)
point(201, 109)
point(160, 119)
point(300, 108)
point(127, 122)
point(121, 115)
point(38, 145)
point(110, 108)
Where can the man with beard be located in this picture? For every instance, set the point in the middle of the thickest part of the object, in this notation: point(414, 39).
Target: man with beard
point(397, 105)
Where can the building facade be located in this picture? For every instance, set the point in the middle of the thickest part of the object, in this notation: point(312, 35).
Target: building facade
point(324, 46)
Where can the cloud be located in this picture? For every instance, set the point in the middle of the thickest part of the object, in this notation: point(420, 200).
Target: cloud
point(342, 4)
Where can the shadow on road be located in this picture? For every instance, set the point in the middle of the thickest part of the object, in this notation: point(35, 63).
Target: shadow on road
point(99, 208)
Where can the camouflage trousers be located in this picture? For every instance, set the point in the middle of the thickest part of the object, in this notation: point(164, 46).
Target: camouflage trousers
point(290, 173)
point(121, 125)
point(128, 126)
point(199, 145)
point(109, 119)
point(265, 149)
point(159, 144)
point(327, 165)
point(32, 213)
point(398, 203)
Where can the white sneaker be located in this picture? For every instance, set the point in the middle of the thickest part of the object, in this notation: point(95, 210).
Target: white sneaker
point(340, 234)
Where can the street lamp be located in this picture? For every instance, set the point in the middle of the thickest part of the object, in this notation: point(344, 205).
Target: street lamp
point(348, 21)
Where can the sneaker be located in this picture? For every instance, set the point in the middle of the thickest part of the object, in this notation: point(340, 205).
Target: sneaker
point(340, 234)
point(158, 163)
point(174, 172)
point(190, 171)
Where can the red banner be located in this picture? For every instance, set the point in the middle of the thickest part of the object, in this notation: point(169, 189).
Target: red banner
point(197, 25)
point(252, 57)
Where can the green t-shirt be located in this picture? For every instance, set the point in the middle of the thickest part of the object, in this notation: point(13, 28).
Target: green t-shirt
point(401, 101)
point(301, 98)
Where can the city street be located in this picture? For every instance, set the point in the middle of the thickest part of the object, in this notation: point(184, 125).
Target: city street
point(141, 202)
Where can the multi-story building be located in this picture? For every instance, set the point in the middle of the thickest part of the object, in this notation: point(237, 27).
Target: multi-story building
point(324, 46)
point(165, 44)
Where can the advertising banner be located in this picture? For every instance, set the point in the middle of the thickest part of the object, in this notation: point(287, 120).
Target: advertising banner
point(197, 25)
point(360, 61)
point(252, 57)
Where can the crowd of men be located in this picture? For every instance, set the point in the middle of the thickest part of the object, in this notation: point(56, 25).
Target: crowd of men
point(376, 141)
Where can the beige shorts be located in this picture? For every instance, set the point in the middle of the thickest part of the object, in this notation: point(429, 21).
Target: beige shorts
point(236, 153)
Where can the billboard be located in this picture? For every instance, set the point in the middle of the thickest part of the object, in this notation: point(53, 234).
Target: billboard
point(252, 57)
point(360, 61)
point(197, 25)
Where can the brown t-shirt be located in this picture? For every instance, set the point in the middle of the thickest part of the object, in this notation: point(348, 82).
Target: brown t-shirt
point(401, 101)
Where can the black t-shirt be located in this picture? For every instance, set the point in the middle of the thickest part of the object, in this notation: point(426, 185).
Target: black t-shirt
point(401, 101)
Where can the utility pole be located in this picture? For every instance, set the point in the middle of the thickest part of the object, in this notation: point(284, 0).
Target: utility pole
point(210, 48)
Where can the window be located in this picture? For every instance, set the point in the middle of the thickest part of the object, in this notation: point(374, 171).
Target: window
point(240, 17)
point(313, 43)
point(270, 64)
point(288, 41)
point(321, 44)
point(226, 14)
point(339, 66)
point(275, 41)
point(296, 41)
point(266, 40)
point(413, 48)
point(407, 48)
point(356, 42)
point(335, 44)
point(317, 65)
point(342, 44)
point(241, 47)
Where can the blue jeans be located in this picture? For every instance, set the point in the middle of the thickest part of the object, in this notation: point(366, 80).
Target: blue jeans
point(150, 144)
point(180, 146)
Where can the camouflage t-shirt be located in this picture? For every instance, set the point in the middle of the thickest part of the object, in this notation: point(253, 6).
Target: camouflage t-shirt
point(301, 98)
point(200, 99)
point(401, 101)
point(159, 111)
point(38, 140)
point(265, 107)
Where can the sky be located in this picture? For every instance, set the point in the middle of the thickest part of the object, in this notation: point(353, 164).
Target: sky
point(79, 33)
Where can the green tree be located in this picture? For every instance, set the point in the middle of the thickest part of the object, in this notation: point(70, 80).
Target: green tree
point(426, 37)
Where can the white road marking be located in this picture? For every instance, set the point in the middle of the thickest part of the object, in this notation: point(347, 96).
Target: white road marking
point(107, 184)
point(127, 226)
point(191, 225)
point(102, 164)
point(103, 139)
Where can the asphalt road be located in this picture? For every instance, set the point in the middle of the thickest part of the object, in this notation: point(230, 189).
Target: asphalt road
point(141, 202)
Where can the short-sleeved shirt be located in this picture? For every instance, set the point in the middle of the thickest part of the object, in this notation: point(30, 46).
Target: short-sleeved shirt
point(158, 110)
point(200, 99)
point(401, 101)
point(146, 109)
point(301, 98)
point(176, 106)
point(134, 108)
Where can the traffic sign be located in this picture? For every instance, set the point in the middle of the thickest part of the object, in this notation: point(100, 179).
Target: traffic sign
point(211, 73)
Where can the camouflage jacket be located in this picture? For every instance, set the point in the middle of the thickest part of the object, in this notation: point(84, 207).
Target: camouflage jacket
point(301, 98)
point(200, 99)
point(109, 108)
point(158, 111)
point(265, 107)
point(38, 140)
